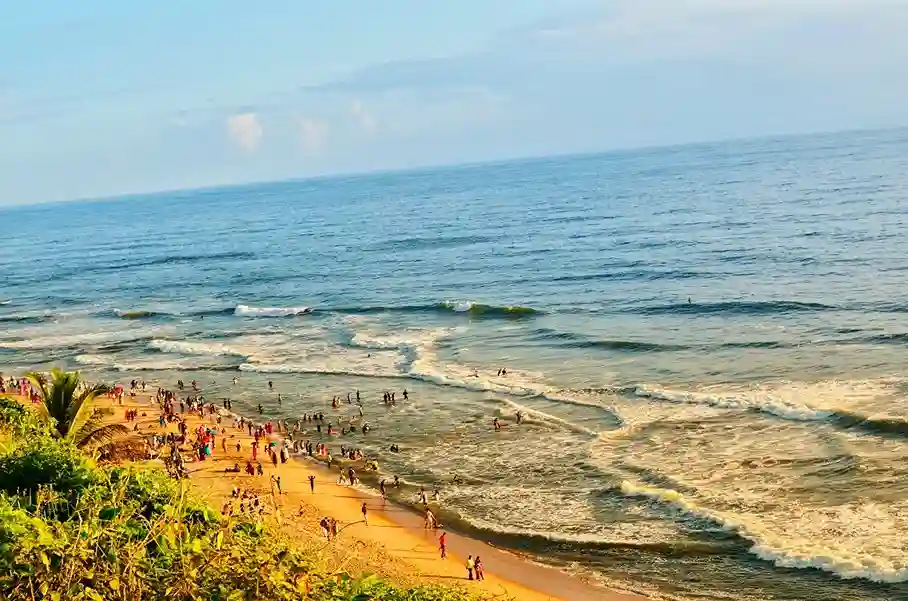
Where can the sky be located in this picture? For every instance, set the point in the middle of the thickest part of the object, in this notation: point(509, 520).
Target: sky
point(103, 97)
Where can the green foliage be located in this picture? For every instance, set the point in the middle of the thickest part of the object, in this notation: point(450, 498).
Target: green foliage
point(42, 461)
point(70, 530)
point(15, 417)
point(67, 401)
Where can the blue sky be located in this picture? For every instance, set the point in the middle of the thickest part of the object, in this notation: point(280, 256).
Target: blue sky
point(100, 98)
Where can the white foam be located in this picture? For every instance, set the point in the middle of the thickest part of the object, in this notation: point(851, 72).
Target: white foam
point(458, 306)
point(246, 310)
point(428, 367)
point(111, 362)
point(785, 549)
point(534, 415)
point(756, 401)
point(410, 339)
point(194, 348)
point(84, 338)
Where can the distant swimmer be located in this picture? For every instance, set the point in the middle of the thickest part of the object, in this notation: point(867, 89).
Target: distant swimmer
point(270, 385)
point(688, 300)
point(357, 395)
point(235, 380)
point(519, 417)
point(496, 424)
point(278, 398)
point(405, 394)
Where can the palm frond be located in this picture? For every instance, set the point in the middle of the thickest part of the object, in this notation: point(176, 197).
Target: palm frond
point(81, 411)
point(66, 401)
point(88, 438)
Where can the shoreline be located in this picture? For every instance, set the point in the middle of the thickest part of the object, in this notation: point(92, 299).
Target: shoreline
point(396, 529)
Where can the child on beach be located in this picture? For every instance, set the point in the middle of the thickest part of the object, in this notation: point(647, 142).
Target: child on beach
point(364, 510)
point(312, 484)
point(443, 544)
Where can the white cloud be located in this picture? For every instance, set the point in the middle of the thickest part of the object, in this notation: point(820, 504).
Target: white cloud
point(362, 115)
point(677, 29)
point(314, 135)
point(245, 129)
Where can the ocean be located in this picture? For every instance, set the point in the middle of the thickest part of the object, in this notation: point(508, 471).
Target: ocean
point(707, 344)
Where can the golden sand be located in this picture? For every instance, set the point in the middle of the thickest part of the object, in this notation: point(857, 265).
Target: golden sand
point(395, 542)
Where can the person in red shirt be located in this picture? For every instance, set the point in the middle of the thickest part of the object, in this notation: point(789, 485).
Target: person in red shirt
point(443, 544)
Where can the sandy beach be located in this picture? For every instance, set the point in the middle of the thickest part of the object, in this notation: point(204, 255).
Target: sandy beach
point(395, 541)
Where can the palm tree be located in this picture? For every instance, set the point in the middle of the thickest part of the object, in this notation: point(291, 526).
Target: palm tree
point(67, 400)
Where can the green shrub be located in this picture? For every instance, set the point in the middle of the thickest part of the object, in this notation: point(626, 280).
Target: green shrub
point(41, 461)
point(17, 418)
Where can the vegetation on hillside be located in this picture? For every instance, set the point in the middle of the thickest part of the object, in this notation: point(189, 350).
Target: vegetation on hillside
point(73, 530)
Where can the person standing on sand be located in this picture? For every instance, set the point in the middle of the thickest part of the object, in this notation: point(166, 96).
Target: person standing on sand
point(259, 469)
point(477, 569)
point(381, 487)
point(312, 484)
point(443, 544)
point(470, 565)
point(364, 510)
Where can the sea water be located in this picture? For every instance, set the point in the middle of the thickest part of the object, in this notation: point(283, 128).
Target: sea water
point(707, 344)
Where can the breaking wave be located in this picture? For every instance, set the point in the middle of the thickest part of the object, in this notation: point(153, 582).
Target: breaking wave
point(194, 348)
point(135, 314)
point(762, 403)
point(481, 310)
point(247, 311)
point(772, 547)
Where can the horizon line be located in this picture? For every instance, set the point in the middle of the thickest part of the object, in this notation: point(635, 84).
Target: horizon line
point(354, 174)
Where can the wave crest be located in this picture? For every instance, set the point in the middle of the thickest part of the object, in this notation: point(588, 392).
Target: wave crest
point(764, 404)
point(248, 311)
point(139, 314)
point(772, 548)
point(193, 348)
point(482, 310)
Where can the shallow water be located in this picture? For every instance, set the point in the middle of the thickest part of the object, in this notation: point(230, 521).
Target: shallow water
point(706, 342)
